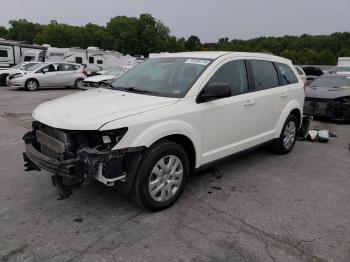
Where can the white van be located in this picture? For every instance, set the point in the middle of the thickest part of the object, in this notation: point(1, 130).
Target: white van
point(152, 127)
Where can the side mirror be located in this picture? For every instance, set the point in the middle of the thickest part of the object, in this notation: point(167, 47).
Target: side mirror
point(214, 91)
point(45, 70)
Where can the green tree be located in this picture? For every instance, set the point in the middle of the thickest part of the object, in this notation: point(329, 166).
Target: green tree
point(23, 30)
point(3, 32)
point(193, 43)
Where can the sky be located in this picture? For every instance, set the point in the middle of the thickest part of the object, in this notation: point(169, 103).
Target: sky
point(208, 19)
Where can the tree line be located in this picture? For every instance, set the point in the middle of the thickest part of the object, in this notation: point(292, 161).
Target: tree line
point(145, 34)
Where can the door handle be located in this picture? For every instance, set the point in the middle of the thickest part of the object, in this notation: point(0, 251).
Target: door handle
point(249, 102)
point(284, 94)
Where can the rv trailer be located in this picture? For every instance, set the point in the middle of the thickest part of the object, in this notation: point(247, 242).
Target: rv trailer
point(94, 58)
point(11, 52)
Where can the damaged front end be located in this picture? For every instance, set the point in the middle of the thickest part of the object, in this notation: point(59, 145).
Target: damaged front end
point(334, 109)
point(75, 157)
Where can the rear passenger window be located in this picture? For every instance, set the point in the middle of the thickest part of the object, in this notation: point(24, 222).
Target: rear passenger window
point(66, 67)
point(78, 60)
point(233, 73)
point(265, 74)
point(286, 75)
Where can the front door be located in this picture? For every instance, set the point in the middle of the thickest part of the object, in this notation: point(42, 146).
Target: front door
point(228, 123)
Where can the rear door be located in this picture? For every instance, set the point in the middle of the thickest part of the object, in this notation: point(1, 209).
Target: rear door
point(270, 98)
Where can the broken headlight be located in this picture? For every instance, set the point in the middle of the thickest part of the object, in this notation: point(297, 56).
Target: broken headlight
point(112, 137)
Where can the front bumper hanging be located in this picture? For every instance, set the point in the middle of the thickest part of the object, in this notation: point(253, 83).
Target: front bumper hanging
point(104, 166)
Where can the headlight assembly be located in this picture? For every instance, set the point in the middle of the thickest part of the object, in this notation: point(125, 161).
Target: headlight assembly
point(111, 138)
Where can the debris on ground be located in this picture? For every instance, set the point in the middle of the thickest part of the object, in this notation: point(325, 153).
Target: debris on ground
point(312, 133)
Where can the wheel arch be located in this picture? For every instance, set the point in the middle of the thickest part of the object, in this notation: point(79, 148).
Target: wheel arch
point(186, 143)
point(292, 108)
point(32, 78)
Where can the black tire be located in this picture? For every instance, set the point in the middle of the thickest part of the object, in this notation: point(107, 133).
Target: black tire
point(3, 79)
point(141, 192)
point(78, 83)
point(31, 85)
point(279, 146)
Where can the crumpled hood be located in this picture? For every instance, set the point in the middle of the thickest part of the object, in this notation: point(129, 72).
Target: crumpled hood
point(326, 93)
point(99, 78)
point(89, 110)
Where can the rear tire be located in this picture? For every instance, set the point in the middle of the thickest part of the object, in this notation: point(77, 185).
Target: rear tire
point(31, 85)
point(285, 143)
point(161, 176)
point(78, 83)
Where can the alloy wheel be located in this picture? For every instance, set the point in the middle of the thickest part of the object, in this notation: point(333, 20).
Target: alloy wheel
point(166, 178)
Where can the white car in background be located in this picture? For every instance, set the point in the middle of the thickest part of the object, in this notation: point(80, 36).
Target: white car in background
point(103, 76)
point(49, 75)
point(301, 74)
point(4, 73)
point(163, 119)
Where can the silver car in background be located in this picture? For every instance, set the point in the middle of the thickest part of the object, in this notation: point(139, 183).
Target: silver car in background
point(49, 75)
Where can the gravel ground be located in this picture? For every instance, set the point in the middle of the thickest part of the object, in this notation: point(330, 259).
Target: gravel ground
point(255, 207)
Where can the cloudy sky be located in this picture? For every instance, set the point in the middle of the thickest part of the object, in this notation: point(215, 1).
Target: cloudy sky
point(208, 19)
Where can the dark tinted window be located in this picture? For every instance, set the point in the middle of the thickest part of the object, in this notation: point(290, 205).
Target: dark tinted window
point(3, 53)
point(286, 75)
point(67, 67)
point(312, 71)
point(233, 73)
point(91, 60)
point(99, 62)
point(78, 60)
point(265, 74)
point(28, 58)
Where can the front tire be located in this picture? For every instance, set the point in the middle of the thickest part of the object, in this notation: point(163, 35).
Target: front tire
point(31, 85)
point(78, 83)
point(285, 143)
point(162, 176)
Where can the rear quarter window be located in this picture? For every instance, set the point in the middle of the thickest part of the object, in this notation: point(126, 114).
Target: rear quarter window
point(286, 75)
point(265, 74)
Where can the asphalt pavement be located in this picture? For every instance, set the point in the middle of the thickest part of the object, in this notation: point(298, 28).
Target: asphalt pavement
point(254, 207)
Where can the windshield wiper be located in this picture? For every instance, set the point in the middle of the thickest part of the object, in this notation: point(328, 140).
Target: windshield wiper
point(136, 90)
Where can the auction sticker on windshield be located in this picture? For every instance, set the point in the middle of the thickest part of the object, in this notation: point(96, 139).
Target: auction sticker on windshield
point(197, 62)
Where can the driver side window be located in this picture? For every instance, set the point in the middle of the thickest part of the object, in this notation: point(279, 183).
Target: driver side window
point(234, 74)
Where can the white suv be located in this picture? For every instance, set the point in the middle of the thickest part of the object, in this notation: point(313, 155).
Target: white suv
point(159, 122)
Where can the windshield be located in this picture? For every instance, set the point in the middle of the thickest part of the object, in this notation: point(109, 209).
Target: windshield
point(332, 81)
point(27, 67)
point(170, 77)
point(116, 72)
point(17, 66)
point(35, 67)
